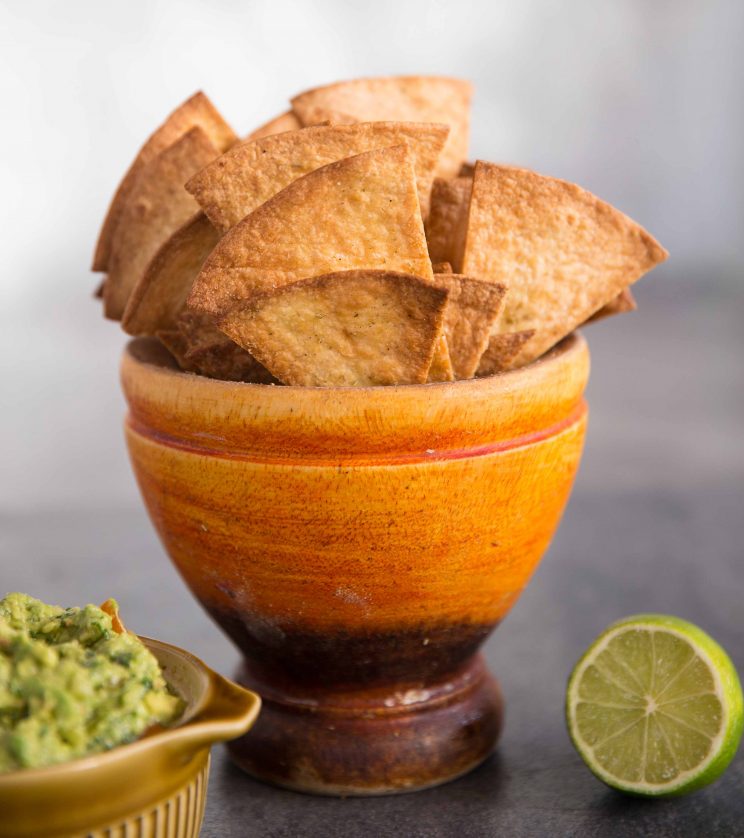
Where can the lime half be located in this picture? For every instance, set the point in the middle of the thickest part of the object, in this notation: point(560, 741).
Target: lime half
point(654, 707)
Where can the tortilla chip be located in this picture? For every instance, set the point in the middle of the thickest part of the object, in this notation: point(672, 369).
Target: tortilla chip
point(473, 307)
point(467, 170)
point(284, 122)
point(565, 253)
point(400, 99)
point(447, 223)
point(441, 267)
point(230, 362)
point(156, 207)
point(199, 347)
point(441, 364)
point(196, 111)
point(350, 329)
point(111, 607)
point(625, 301)
point(176, 344)
point(501, 352)
point(361, 212)
point(199, 331)
point(161, 293)
point(235, 184)
point(98, 293)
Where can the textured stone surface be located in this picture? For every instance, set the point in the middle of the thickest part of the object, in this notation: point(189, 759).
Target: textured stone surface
point(677, 551)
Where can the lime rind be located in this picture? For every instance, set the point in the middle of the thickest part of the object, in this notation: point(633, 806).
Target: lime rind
point(692, 718)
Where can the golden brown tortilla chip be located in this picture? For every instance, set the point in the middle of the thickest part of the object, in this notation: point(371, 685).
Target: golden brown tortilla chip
point(349, 329)
point(473, 307)
point(441, 363)
point(284, 122)
point(625, 301)
point(467, 170)
point(235, 184)
point(157, 205)
point(199, 331)
point(361, 212)
point(176, 344)
point(195, 111)
point(400, 99)
point(230, 362)
point(448, 220)
point(111, 607)
point(161, 293)
point(98, 293)
point(199, 347)
point(441, 267)
point(565, 252)
point(501, 352)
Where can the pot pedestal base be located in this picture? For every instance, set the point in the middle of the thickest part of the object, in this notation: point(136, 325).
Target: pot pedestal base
point(371, 741)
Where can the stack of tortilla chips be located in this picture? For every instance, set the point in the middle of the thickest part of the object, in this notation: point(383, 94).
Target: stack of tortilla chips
point(347, 242)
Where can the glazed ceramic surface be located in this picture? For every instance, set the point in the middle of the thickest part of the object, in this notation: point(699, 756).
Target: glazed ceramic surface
point(153, 788)
point(358, 545)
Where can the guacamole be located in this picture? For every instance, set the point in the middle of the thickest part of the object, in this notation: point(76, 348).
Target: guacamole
point(72, 685)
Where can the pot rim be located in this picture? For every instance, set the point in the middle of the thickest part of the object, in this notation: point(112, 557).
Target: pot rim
point(318, 425)
point(139, 348)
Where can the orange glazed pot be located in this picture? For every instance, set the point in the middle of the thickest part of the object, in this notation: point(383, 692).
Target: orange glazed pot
point(359, 545)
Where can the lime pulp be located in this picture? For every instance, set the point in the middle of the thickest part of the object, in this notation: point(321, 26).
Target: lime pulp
point(654, 707)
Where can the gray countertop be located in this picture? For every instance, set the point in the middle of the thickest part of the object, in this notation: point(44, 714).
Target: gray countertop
point(656, 523)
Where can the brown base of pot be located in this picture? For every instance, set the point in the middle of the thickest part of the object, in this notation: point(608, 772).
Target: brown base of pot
point(372, 741)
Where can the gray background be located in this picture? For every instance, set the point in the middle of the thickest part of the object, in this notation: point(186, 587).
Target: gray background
point(639, 101)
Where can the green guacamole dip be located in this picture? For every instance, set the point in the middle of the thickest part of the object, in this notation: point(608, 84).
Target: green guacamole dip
point(71, 685)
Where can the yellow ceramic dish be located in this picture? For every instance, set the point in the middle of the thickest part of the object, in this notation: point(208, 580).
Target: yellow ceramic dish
point(154, 787)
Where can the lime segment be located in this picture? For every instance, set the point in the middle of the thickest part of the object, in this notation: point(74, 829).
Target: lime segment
point(654, 707)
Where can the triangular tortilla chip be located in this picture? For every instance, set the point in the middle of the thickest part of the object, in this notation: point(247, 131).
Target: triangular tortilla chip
point(361, 212)
point(161, 293)
point(284, 122)
point(157, 205)
point(350, 329)
point(230, 362)
point(473, 307)
point(196, 111)
point(235, 184)
point(441, 267)
point(448, 220)
point(199, 347)
point(199, 331)
point(564, 252)
point(625, 301)
point(501, 352)
point(402, 99)
point(111, 607)
point(441, 363)
point(176, 344)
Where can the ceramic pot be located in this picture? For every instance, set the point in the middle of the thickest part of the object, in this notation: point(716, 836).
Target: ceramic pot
point(359, 545)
